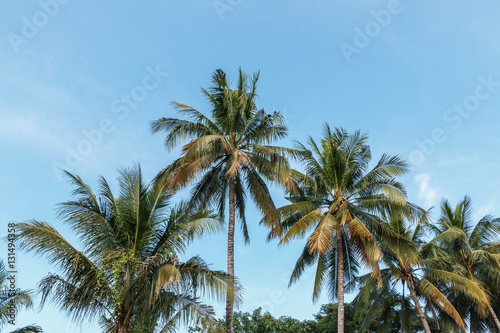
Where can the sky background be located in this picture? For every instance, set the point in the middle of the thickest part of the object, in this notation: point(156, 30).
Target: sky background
point(62, 76)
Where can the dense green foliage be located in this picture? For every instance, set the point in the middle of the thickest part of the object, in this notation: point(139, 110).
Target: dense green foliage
point(473, 249)
point(231, 152)
point(422, 275)
point(324, 322)
point(338, 202)
point(128, 271)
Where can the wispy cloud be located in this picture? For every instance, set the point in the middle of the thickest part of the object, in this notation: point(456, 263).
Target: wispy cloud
point(426, 192)
point(490, 207)
point(24, 127)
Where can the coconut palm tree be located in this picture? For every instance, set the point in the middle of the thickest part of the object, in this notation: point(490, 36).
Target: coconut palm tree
point(230, 150)
point(125, 268)
point(419, 269)
point(475, 252)
point(386, 309)
point(338, 202)
point(13, 300)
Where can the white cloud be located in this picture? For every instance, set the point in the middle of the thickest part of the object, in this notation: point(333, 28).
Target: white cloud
point(490, 207)
point(425, 192)
point(24, 127)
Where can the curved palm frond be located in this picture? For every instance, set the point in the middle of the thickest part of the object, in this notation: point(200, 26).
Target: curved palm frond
point(136, 268)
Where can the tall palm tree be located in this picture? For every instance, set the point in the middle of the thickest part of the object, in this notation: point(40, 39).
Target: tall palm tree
point(230, 150)
point(475, 252)
point(126, 268)
point(338, 202)
point(418, 269)
point(13, 300)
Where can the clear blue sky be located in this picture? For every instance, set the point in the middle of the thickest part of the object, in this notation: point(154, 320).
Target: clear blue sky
point(423, 77)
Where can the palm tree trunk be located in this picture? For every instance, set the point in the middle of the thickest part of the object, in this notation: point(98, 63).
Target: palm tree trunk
point(340, 280)
point(495, 318)
point(120, 326)
point(419, 308)
point(230, 258)
point(434, 315)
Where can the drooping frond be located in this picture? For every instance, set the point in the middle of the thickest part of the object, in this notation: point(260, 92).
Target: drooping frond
point(231, 141)
point(472, 289)
point(436, 296)
point(197, 276)
point(179, 130)
point(132, 275)
point(339, 193)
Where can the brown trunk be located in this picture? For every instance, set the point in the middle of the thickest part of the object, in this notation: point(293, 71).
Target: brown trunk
point(340, 280)
point(230, 258)
point(434, 315)
point(120, 328)
point(419, 308)
point(495, 318)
